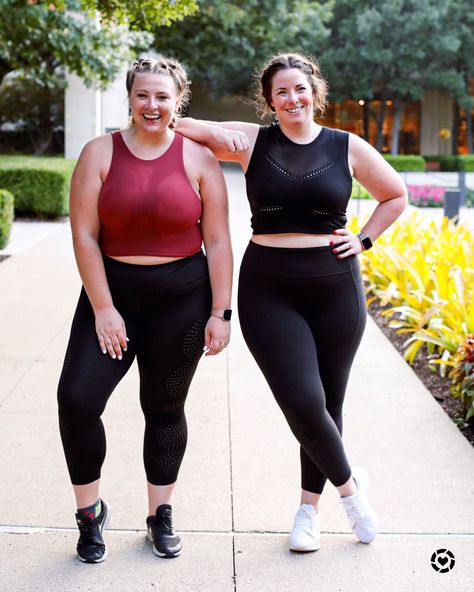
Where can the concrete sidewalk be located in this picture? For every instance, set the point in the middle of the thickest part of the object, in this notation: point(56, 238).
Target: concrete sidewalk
point(239, 483)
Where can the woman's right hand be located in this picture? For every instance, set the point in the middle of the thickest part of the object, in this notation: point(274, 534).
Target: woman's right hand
point(232, 140)
point(111, 332)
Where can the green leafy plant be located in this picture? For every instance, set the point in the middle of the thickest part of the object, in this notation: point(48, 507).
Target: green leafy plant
point(6, 216)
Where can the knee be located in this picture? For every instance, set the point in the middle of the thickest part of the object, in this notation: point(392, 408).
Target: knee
point(307, 417)
point(74, 403)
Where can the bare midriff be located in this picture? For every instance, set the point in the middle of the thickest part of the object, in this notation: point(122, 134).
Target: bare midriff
point(145, 259)
point(293, 240)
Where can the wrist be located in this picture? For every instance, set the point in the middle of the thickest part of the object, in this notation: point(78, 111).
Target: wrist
point(224, 314)
point(365, 241)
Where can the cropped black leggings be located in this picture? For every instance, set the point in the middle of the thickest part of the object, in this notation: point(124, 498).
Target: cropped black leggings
point(165, 309)
point(302, 313)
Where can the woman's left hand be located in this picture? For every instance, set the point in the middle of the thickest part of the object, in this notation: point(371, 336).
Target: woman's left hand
point(216, 336)
point(345, 243)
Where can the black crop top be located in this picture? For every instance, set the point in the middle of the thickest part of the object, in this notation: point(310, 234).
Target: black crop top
point(299, 187)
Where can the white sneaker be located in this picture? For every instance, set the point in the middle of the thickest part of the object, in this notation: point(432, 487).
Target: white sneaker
point(362, 518)
point(305, 534)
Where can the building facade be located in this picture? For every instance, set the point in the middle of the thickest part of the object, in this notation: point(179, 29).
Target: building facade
point(426, 126)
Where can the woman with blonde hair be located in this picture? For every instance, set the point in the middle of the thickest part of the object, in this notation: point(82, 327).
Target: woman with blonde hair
point(143, 202)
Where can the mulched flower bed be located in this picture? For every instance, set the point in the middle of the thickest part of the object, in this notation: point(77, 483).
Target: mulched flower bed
point(439, 387)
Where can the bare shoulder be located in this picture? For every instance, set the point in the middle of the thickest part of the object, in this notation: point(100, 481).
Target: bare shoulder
point(373, 171)
point(363, 154)
point(96, 155)
point(358, 145)
point(102, 145)
point(198, 153)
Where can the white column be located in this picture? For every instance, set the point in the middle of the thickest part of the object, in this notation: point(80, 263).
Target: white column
point(436, 123)
point(82, 115)
point(115, 104)
point(89, 112)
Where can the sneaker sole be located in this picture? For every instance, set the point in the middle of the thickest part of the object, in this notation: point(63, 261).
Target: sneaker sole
point(169, 555)
point(105, 524)
point(305, 550)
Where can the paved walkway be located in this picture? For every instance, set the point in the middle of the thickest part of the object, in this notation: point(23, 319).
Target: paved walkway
point(238, 488)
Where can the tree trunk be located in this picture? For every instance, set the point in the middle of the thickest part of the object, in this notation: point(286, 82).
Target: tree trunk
point(470, 147)
point(455, 128)
point(396, 124)
point(365, 120)
point(41, 142)
point(380, 119)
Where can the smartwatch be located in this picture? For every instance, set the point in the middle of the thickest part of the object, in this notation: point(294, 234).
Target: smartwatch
point(365, 240)
point(222, 313)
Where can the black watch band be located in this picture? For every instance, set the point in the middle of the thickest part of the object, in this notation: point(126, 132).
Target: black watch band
point(365, 240)
point(222, 313)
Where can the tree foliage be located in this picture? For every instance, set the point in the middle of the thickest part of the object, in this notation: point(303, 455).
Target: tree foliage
point(391, 49)
point(39, 40)
point(222, 44)
point(141, 14)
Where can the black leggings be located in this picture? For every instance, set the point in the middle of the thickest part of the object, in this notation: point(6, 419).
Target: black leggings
point(165, 309)
point(303, 313)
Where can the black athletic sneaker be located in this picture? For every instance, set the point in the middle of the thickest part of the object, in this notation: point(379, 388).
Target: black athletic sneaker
point(160, 532)
point(90, 546)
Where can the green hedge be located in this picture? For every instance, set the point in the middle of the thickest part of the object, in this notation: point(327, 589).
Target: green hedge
point(453, 163)
point(406, 162)
point(6, 216)
point(40, 184)
point(466, 163)
point(37, 191)
point(51, 163)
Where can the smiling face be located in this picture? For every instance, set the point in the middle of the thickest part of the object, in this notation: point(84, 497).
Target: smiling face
point(153, 101)
point(292, 97)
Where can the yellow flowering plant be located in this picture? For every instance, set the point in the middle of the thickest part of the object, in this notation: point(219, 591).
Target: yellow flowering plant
point(422, 274)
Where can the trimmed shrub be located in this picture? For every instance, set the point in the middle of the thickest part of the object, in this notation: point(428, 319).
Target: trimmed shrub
point(51, 163)
point(406, 162)
point(6, 216)
point(37, 191)
point(453, 163)
point(466, 163)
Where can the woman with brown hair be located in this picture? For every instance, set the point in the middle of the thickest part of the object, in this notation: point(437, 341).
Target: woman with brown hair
point(143, 201)
point(301, 298)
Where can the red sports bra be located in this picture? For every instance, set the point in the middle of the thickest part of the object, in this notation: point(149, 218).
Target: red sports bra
point(149, 207)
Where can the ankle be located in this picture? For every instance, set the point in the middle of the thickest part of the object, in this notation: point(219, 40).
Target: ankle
point(91, 511)
point(349, 488)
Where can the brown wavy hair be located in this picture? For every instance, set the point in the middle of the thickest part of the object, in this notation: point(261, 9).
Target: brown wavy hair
point(166, 67)
point(285, 61)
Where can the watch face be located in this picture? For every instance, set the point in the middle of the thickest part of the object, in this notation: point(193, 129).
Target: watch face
point(227, 314)
point(365, 240)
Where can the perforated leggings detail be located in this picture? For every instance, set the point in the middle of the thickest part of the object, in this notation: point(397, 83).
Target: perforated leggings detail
point(165, 309)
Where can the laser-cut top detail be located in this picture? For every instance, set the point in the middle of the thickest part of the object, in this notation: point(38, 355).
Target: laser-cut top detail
point(299, 187)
